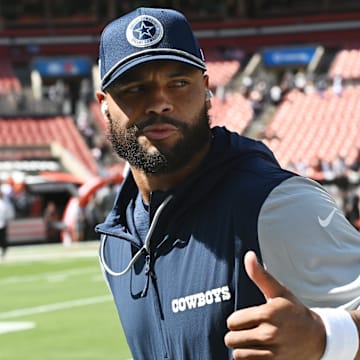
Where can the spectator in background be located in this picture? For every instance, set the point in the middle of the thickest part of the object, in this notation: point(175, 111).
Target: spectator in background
point(78, 233)
point(23, 200)
point(351, 207)
point(275, 94)
point(92, 216)
point(355, 166)
point(53, 222)
point(321, 85)
point(7, 213)
point(85, 92)
point(300, 80)
point(337, 85)
point(105, 200)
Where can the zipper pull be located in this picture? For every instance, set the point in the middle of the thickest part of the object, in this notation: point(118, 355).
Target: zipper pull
point(148, 273)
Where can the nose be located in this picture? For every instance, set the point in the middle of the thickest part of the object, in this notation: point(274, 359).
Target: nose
point(158, 102)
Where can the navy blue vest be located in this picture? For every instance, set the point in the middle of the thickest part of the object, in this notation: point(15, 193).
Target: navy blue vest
point(174, 302)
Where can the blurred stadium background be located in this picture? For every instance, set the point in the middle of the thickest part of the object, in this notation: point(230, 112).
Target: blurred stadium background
point(283, 71)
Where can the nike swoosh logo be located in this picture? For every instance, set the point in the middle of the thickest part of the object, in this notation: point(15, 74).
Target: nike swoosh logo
point(325, 222)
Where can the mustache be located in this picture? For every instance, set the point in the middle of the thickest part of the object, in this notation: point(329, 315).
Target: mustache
point(157, 120)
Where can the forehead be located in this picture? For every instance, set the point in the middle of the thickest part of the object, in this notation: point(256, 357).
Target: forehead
point(166, 68)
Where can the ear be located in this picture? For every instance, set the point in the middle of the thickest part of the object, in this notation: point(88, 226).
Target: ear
point(100, 96)
point(206, 80)
point(208, 94)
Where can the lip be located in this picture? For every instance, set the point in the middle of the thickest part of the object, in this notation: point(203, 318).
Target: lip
point(159, 131)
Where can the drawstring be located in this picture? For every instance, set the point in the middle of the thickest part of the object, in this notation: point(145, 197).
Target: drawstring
point(145, 249)
point(107, 268)
point(148, 273)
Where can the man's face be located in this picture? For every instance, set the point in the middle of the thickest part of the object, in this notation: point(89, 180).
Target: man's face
point(158, 116)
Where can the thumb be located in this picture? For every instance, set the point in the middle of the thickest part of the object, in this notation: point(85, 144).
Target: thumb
point(266, 283)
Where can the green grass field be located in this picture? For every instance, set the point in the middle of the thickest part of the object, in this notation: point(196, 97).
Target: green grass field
point(59, 294)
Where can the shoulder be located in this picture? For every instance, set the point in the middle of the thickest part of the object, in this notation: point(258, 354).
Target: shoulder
point(305, 240)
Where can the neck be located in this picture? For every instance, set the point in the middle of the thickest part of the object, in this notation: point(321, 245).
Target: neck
point(148, 183)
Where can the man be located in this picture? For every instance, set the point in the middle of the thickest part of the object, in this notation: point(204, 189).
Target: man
point(195, 201)
point(7, 213)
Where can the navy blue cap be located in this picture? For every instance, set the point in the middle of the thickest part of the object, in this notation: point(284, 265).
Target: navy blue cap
point(143, 35)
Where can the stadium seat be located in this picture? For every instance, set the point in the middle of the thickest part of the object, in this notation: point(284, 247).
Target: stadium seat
point(309, 126)
point(30, 131)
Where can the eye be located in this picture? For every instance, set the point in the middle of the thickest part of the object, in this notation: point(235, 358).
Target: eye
point(180, 83)
point(128, 89)
point(132, 89)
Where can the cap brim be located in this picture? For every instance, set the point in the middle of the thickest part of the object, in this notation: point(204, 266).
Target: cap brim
point(121, 69)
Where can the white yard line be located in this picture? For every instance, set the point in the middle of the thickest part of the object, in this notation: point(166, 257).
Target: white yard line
point(50, 276)
point(54, 307)
point(43, 252)
point(6, 327)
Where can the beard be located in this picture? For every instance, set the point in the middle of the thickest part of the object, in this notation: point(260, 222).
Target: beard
point(164, 159)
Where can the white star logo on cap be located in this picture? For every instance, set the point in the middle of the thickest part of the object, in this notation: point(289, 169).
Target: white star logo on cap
point(144, 31)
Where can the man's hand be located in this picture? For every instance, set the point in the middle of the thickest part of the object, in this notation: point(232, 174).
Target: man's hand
point(282, 328)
